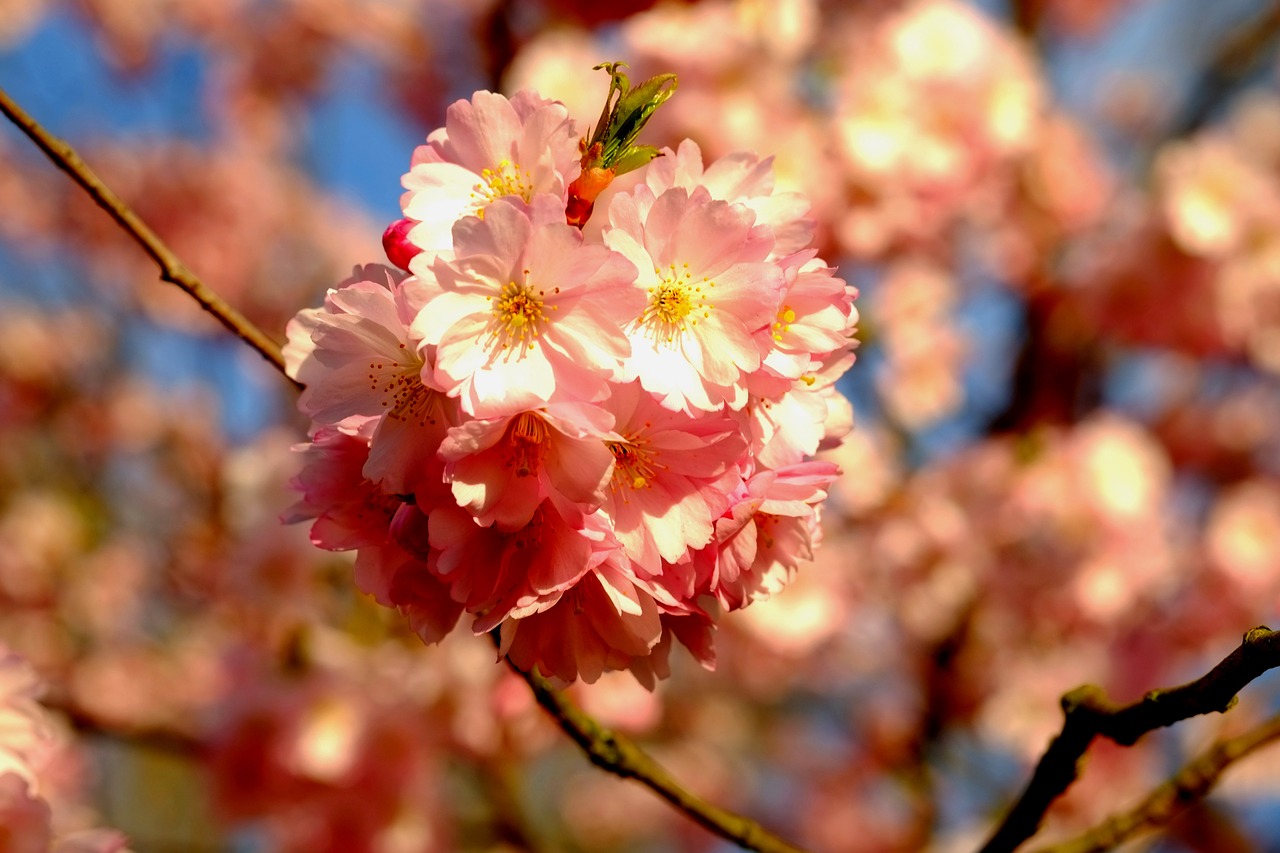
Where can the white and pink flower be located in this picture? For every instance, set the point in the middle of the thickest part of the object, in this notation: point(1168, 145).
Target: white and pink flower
point(489, 148)
point(31, 746)
point(671, 477)
point(501, 469)
point(741, 177)
point(527, 313)
point(768, 530)
point(708, 288)
point(498, 574)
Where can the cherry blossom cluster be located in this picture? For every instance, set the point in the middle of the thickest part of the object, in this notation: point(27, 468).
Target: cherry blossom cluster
point(590, 445)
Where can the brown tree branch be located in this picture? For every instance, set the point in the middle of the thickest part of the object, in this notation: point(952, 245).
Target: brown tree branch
point(172, 269)
point(1090, 714)
point(620, 756)
point(1163, 804)
point(1238, 56)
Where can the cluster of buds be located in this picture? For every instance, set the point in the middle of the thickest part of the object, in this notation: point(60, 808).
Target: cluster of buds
point(591, 446)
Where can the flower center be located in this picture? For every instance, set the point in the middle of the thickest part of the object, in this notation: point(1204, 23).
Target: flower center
point(403, 395)
point(675, 303)
point(526, 443)
point(765, 522)
point(518, 315)
point(507, 179)
point(634, 466)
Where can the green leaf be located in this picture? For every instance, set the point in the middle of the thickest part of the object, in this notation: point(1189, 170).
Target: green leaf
point(637, 156)
point(622, 119)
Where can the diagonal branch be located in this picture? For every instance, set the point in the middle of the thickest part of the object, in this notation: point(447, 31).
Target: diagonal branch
point(1089, 714)
point(1234, 62)
point(620, 756)
point(172, 269)
point(1165, 802)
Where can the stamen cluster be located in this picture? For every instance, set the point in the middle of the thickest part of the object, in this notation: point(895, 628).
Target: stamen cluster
point(589, 446)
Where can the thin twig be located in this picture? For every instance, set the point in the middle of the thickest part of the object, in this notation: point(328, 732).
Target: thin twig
point(1089, 714)
point(1234, 61)
point(620, 756)
point(1165, 803)
point(172, 269)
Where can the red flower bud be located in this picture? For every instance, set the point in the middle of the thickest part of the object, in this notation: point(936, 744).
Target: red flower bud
point(584, 191)
point(395, 242)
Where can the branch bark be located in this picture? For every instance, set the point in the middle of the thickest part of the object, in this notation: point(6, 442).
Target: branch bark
point(1239, 55)
point(1163, 804)
point(172, 269)
point(1089, 714)
point(620, 756)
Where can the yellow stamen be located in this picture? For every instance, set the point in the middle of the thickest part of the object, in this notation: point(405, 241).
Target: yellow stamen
point(526, 441)
point(518, 316)
point(506, 179)
point(786, 316)
point(672, 301)
point(404, 396)
point(634, 464)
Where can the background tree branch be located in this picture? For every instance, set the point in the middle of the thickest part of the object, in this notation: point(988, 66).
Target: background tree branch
point(1089, 714)
point(1240, 55)
point(620, 756)
point(172, 269)
point(1162, 805)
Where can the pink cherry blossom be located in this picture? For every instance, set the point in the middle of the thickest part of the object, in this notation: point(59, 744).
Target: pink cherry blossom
point(489, 148)
point(364, 369)
point(497, 574)
point(671, 477)
point(527, 313)
point(356, 355)
point(26, 738)
point(786, 428)
point(502, 469)
point(352, 513)
point(349, 511)
point(816, 316)
point(548, 429)
point(31, 813)
point(422, 598)
point(767, 531)
point(708, 288)
point(738, 177)
point(611, 619)
point(608, 619)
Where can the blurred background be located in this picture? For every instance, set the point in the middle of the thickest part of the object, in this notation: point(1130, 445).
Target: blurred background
point(1064, 219)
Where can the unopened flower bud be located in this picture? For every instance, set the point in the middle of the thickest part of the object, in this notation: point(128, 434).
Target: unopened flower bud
point(584, 191)
point(611, 149)
point(395, 242)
